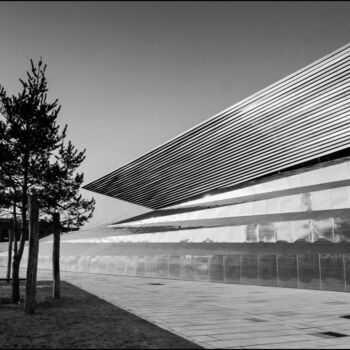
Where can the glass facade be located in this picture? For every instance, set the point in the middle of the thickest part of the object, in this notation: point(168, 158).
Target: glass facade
point(273, 239)
point(323, 200)
point(336, 172)
point(330, 229)
point(310, 271)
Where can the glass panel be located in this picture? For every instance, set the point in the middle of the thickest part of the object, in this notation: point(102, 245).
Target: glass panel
point(44, 262)
point(106, 264)
point(120, 265)
point(151, 266)
point(307, 178)
point(251, 233)
point(284, 231)
point(141, 262)
point(332, 173)
point(187, 267)
point(321, 200)
point(237, 234)
point(267, 232)
point(94, 264)
point(216, 269)
point(201, 268)
point(267, 270)
point(162, 266)
point(309, 273)
point(341, 229)
point(340, 197)
point(291, 204)
point(85, 263)
point(301, 230)
point(305, 202)
point(272, 206)
point(102, 265)
point(174, 267)
point(259, 207)
point(131, 265)
point(65, 263)
point(287, 271)
point(322, 230)
point(347, 271)
point(245, 208)
point(232, 268)
point(249, 269)
point(332, 272)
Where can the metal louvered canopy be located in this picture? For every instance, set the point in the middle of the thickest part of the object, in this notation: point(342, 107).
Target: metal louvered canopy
point(301, 117)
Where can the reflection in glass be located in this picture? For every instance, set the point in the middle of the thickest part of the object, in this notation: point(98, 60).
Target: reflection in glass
point(187, 267)
point(334, 172)
point(307, 178)
point(341, 229)
point(267, 232)
point(140, 270)
point(162, 266)
point(249, 269)
point(151, 266)
point(332, 272)
point(251, 233)
point(174, 267)
point(201, 268)
point(131, 265)
point(322, 230)
point(245, 209)
point(306, 202)
point(284, 231)
point(340, 197)
point(290, 204)
point(120, 265)
point(259, 207)
point(346, 258)
point(321, 200)
point(267, 270)
point(287, 271)
point(309, 273)
point(216, 271)
point(232, 267)
point(301, 230)
point(94, 264)
point(272, 205)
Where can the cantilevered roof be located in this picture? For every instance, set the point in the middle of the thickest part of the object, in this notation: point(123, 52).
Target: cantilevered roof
point(300, 118)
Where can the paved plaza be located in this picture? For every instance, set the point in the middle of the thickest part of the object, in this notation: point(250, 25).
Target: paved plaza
point(217, 315)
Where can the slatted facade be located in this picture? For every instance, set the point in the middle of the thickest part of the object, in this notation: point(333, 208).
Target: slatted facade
point(302, 117)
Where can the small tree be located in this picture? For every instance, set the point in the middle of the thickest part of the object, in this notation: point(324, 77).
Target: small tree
point(7, 191)
point(59, 196)
point(30, 133)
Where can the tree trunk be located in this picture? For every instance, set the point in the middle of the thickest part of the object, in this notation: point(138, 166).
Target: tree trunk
point(12, 242)
point(16, 261)
point(30, 300)
point(15, 280)
point(56, 256)
point(9, 256)
point(18, 253)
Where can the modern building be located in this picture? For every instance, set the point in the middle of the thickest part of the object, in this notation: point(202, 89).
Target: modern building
point(257, 194)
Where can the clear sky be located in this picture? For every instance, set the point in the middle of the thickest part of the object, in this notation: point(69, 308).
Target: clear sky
point(131, 75)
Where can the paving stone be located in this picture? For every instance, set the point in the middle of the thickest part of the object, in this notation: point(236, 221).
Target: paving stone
point(224, 315)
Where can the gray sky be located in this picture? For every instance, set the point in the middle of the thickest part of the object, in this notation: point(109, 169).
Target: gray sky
point(131, 75)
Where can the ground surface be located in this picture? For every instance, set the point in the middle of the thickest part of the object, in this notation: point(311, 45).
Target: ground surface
point(78, 320)
point(218, 315)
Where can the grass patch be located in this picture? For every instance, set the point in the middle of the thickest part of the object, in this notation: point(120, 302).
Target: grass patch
point(78, 320)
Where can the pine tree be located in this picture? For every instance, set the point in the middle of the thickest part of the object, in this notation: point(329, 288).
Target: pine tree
point(37, 156)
